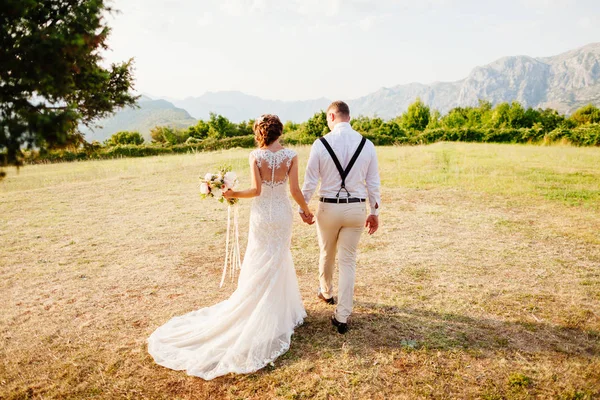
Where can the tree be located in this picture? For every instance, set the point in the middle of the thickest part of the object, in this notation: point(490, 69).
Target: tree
point(220, 127)
point(51, 79)
point(245, 128)
point(199, 131)
point(289, 126)
point(550, 119)
point(484, 112)
point(316, 125)
point(391, 129)
point(169, 135)
point(365, 124)
point(586, 115)
point(456, 118)
point(501, 116)
point(417, 116)
point(434, 120)
point(516, 116)
point(125, 137)
point(361, 124)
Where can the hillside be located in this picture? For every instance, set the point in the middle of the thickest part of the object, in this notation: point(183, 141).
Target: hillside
point(150, 113)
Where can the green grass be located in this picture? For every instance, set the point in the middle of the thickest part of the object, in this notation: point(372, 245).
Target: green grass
point(483, 281)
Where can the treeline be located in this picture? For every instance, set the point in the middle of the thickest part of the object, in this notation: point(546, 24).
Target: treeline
point(503, 123)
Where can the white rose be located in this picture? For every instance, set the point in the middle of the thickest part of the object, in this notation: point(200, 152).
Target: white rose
point(229, 179)
point(208, 177)
point(204, 189)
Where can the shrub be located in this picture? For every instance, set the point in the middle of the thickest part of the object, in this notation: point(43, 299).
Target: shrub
point(382, 140)
point(298, 137)
point(586, 115)
point(125, 137)
point(585, 135)
point(134, 151)
point(212, 144)
point(168, 135)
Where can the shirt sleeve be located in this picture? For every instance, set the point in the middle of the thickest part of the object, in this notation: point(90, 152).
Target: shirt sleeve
point(311, 177)
point(373, 184)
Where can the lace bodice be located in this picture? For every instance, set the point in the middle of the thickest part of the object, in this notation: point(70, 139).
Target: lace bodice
point(273, 165)
point(272, 209)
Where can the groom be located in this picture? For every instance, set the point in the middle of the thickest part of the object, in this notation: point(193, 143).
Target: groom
point(346, 164)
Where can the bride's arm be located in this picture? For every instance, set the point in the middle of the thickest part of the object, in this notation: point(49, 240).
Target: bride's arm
point(295, 187)
point(254, 190)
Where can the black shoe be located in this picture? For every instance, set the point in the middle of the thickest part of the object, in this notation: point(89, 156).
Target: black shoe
point(341, 326)
point(330, 301)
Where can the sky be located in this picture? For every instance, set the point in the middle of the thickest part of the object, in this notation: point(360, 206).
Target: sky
point(338, 49)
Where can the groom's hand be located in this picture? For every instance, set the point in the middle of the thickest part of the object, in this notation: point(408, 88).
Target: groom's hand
point(372, 223)
point(308, 219)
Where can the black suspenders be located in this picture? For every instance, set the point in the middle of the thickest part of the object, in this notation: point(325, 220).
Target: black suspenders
point(343, 173)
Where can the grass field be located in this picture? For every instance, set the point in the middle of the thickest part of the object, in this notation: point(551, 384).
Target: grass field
point(483, 281)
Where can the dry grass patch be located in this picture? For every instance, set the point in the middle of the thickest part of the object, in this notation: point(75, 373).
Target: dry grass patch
point(483, 282)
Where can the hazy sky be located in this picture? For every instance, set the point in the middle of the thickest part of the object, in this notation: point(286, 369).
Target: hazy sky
point(342, 49)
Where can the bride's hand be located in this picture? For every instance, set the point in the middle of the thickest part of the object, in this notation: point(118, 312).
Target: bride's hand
point(229, 194)
point(307, 217)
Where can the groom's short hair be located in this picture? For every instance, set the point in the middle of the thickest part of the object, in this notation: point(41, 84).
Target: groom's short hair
point(339, 107)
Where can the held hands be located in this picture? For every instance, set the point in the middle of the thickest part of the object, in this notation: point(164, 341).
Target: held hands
point(372, 223)
point(307, 217)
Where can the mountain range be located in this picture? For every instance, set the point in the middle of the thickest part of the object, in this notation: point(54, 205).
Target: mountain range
point(147, 115)
point(564, 82)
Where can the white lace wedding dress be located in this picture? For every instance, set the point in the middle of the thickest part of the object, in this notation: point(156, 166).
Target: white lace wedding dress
point(254, 326)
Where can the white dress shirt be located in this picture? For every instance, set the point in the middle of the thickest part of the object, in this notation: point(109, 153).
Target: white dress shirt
point(363, 180)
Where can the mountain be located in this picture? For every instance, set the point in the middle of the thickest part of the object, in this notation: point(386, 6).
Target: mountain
point(149, 114)
point(238, 106)
point(564, 82)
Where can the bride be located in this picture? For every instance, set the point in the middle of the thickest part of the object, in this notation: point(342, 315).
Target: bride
point(254, 326)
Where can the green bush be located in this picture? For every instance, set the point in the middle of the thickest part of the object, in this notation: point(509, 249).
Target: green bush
point(558, 134)
point(134, 151)
point(298, 137)
point(496, 135)
point(382, 140)
point(584, 135)
point(168, 135)
point(125, 137)
point(212, 144)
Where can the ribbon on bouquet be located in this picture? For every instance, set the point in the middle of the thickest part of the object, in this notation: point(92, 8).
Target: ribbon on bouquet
point(232, 253)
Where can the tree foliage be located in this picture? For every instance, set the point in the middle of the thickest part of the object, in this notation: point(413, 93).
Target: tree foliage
point(168, 135)
point(504, 123)
point(586, 115)
point(316, 126)
point(125, 137)
point(51, 78)
point(417, 116)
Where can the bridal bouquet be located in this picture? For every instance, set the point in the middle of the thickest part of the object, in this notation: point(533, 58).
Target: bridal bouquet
point(213, 185)
point(218, 183)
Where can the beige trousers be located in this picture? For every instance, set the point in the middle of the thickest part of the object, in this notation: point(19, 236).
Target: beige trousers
point(339, 227)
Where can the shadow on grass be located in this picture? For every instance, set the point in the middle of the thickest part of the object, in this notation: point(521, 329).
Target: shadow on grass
point(379, 327)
